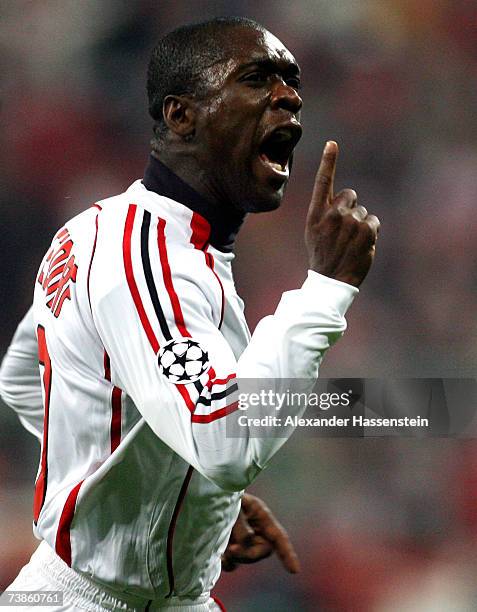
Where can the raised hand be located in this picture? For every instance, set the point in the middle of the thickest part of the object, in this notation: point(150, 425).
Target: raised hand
point(256, 535)
point(340, 236)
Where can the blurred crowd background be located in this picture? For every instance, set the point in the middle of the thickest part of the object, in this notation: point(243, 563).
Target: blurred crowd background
point(380, 525)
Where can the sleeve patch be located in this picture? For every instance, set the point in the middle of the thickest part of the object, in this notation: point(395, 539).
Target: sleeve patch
point(183, 361)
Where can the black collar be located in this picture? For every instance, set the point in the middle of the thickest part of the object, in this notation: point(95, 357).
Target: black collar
point(224, 221)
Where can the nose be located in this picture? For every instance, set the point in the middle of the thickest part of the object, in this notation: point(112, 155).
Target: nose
point(286, 97)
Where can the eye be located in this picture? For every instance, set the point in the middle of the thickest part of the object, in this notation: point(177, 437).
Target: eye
point(255, 77)
point(294, 82)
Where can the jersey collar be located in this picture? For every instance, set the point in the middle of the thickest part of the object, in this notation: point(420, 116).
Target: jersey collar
point(224, 223)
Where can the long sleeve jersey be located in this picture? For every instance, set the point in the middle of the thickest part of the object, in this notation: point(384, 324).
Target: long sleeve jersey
point(138, 484)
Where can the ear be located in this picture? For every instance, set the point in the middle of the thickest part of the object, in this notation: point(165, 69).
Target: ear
point(179, 115)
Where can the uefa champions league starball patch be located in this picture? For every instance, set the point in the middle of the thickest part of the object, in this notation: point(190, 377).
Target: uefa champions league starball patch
point(183, 361)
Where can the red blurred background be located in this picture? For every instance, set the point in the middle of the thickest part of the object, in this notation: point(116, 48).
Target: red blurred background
point(379, 524)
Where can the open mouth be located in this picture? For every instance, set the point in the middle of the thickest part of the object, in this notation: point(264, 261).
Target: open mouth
point(276, 148)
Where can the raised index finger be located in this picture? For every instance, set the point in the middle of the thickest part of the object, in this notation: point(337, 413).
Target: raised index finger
point(323, 188)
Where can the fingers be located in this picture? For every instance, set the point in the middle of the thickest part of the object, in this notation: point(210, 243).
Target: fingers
point(280, 541)
point(359, 213)
point(250, 503)
point(373, 223)
point(241, 531)
point(261, 518)
point(323, 188)
point(347, 198)
point(257, 550)
point(228, 565)
point(255, 535)
point(340, 236)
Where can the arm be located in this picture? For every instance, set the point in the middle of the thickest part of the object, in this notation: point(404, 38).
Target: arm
point(191, 420)
point(165, 293)
point(20, 385)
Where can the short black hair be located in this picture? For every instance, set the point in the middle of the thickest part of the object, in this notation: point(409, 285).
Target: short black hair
point(179, 59)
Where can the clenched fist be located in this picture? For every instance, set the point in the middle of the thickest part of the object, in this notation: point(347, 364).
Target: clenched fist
point(340, 236)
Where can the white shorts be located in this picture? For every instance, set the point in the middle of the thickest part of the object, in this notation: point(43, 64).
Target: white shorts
point(47, 572)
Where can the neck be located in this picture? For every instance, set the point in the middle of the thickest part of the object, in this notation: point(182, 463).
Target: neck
point(177, 182)
point(185, 166)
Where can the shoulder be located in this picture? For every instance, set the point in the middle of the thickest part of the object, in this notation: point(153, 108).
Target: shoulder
point(138, 210)
point(148, 244)
point(142, 224)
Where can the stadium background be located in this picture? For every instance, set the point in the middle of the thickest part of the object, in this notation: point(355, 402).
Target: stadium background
point(379, 524)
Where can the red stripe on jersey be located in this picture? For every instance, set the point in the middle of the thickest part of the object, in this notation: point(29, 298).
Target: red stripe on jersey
point(219, 603)
point(217, 381)
point(166, 273)
point(92, 257)
point(209, 260)
point(62, 233)
point(97, 206)
point(128, 227)
point(222, 381)
point(116, 407)
point(199, 238)
point(217, 414)
point(63, 539)
point(186, 397)
point(107, 366)
point(200, 231)
point(40, 484)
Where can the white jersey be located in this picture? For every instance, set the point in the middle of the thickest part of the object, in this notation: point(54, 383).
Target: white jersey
point(138, 485)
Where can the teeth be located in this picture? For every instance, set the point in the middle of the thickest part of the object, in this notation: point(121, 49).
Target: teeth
point(277, 166)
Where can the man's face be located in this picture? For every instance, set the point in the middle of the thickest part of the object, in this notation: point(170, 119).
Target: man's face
point(247, 125)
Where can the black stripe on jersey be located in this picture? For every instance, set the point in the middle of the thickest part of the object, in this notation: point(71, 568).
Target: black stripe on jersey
point(171, 530)
point(207, 401)
point(146, 262)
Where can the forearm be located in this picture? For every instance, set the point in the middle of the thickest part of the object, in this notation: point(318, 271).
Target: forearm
point(283, 357)
point(292, 342)
point(20, 386)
